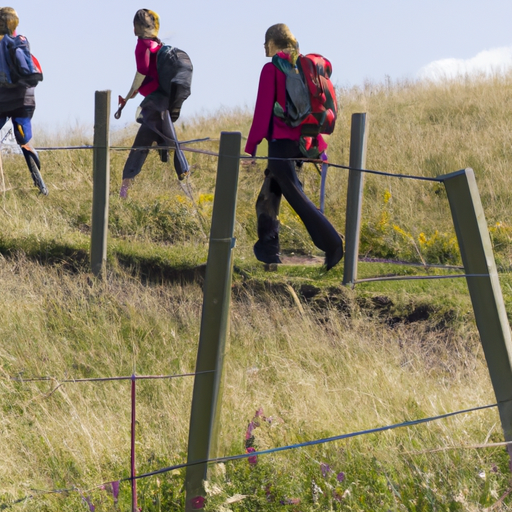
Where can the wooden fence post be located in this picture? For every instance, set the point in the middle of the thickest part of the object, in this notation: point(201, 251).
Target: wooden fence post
point(358, 139)
point(101, 180)
point(484, 287)
point(206, 399)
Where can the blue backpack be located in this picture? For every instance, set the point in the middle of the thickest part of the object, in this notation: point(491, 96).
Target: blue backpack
point(18, 67)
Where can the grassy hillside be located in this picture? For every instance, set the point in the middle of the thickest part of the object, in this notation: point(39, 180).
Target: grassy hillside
point(315, 358)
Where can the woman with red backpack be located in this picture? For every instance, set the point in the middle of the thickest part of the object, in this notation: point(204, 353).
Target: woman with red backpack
point(283, 150)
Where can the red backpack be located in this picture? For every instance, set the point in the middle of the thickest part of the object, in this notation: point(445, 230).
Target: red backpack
point(310, 98)
point(317, 72)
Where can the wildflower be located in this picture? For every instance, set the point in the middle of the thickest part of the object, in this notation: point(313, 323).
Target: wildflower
point(340, 476)
point(197, 502)
point(315, 491)
point(387, 196)
point(253, 459)
point(205, 198)
point(250, 428)
point(325, 469)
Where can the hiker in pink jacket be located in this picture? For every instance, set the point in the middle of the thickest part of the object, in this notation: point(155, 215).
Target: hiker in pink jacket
point(280, 176)
point(159, 110)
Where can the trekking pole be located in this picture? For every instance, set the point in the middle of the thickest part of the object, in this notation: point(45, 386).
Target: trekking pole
point(323, 178)
point(122, 103)
point(137, 82)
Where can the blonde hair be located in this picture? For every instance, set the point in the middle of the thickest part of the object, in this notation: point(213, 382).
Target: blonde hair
point(147, 24)
point(283, 39)
point(8, 21)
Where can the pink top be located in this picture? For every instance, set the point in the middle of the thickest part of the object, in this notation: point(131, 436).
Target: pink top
point(145, 58)
point(265, 125)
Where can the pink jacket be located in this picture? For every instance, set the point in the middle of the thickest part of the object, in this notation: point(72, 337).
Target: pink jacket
point(265, 125)
point(145, 58)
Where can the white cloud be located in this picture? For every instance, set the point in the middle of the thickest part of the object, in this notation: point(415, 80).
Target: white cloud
point(489, 62)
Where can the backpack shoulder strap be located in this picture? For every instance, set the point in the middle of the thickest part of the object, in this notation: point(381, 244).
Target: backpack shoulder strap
point(283, 65)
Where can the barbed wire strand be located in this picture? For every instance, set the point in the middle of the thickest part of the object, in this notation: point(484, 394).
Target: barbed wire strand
point(103, 379)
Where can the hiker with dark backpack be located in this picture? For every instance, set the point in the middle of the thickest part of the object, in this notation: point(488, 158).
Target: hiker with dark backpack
point(289, 140)
point(19, 74)
point(163, 77)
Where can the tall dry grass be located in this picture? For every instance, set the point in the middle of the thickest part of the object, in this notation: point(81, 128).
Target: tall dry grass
point(317, 371)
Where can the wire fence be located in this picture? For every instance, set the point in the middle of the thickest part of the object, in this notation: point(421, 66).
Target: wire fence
point(316, 162)
point(113, 486)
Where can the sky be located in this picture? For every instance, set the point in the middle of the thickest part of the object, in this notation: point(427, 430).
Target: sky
point(88, 45)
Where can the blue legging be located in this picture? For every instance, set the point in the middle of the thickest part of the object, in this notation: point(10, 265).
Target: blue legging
point(22, 127)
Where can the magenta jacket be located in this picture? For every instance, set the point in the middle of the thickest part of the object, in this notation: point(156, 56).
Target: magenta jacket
point(145, 57)
point(265, 125)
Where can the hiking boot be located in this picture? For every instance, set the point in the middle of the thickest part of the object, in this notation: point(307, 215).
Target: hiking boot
point(266, 253)
point(333, 258)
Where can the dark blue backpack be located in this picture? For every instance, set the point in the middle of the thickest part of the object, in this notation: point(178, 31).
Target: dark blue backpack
point(18, 67)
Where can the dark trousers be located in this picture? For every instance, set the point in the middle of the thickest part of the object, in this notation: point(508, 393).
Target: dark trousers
point(281, 180)
point(155, 127)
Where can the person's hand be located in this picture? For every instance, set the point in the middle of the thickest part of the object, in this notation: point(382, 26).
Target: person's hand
point(121, 103)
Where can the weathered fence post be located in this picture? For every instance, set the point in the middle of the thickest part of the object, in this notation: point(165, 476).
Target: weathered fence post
point(358, 139)
point(206, 399)
point(101, 180)
point(484, 287)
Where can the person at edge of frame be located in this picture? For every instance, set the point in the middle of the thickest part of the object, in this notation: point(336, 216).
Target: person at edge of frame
point(18, 104)
point(153, 128)
point(283, 146)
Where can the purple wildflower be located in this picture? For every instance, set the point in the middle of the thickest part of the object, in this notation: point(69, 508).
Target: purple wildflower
point(250, 428)
point(340, 476)
point(254, 458)
point(325, 468)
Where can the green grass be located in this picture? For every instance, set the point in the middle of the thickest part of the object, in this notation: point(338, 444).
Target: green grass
point(319, 359)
